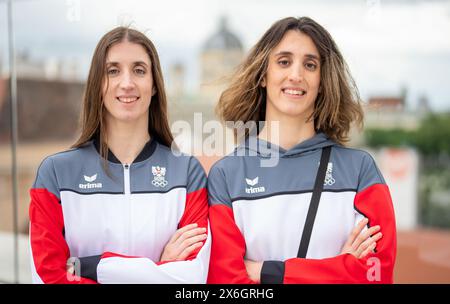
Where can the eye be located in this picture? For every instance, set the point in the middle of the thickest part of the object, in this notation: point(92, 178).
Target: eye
point(113, 71)
point(283, 62)
point(140, 71)
point(311, 66)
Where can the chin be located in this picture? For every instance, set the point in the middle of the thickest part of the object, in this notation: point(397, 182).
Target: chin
point(295, 111)
point(126, 117)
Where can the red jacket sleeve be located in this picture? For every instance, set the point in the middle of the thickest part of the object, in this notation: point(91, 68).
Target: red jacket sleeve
point(49, 250)
point(228, 249)
point(228, 246)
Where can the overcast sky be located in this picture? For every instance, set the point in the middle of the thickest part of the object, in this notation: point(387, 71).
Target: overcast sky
point(387, 44)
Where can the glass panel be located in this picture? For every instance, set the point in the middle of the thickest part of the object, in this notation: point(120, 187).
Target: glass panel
point(6, 210)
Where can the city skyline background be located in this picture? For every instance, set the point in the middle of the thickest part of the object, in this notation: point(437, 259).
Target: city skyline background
point(389, 45)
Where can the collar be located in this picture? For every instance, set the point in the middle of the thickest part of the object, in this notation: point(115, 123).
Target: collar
point(146, 152)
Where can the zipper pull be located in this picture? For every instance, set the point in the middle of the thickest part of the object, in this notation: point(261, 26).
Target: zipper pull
point(126, 166)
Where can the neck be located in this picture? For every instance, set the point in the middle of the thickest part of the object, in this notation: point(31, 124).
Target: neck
point(289, 132)
point(126, 140)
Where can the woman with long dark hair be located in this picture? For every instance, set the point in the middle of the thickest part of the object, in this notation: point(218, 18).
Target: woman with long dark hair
point(120, 206)
point(322, 213)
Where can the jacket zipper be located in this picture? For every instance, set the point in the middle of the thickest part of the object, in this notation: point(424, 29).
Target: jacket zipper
point(127, 191)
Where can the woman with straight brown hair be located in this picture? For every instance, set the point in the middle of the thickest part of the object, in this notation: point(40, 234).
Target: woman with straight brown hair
point(322, 213)
point(120, 206)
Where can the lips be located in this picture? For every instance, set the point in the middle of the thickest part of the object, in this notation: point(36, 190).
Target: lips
point(294, 91)
point(127, 99)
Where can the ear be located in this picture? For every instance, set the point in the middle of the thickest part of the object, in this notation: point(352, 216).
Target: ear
point(153, 91)
point(263, 82)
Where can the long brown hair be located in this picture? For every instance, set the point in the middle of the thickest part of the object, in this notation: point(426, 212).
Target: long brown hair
point(93, 113)
point(338, 104)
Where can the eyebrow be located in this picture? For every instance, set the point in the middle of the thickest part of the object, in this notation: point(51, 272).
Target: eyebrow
point(115, 63)
point(286, 53)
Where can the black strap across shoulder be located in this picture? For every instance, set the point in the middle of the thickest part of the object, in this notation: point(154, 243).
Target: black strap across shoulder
point(314, 204)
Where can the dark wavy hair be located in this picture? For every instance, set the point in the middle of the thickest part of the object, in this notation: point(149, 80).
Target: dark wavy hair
point(338, 103)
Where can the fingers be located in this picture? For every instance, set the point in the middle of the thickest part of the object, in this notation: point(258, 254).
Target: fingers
point(368, 245)
point(190, 244)
point(192, 240)
point(187, 251)
point(182, 230)
point(356, 231)
point(368, 250)
point(360, 243)
point(189, 234)
point(183, 242)
point(362, 237)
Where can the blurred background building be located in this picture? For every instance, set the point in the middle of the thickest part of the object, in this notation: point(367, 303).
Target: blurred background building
point(221, 54)
point(407, 135)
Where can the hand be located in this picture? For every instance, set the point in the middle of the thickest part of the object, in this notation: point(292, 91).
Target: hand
point(360, 244)
point(183, 242)
point(254, 270)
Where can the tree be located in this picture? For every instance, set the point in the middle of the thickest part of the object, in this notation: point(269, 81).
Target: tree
point(431, 139)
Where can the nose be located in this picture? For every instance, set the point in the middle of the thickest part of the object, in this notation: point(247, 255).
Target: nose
point(296, 73)
point(127, 82)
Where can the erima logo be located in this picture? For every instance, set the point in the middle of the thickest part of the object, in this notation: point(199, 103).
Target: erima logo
point(251, 183)
point(91, 178)
point(90, 182)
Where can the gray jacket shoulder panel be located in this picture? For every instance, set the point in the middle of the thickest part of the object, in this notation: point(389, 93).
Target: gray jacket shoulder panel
point(196, 178)
point(217, 186)
point(361, 167)
point(47, 175)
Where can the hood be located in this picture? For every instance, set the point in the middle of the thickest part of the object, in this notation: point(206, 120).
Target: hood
point(264, 148)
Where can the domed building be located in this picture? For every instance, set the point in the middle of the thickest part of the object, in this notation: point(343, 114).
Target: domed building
point(221, 54)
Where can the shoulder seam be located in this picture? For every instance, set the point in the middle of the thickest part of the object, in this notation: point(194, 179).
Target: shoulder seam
point(376, 170)
point(354, 149)
point(63, 152)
